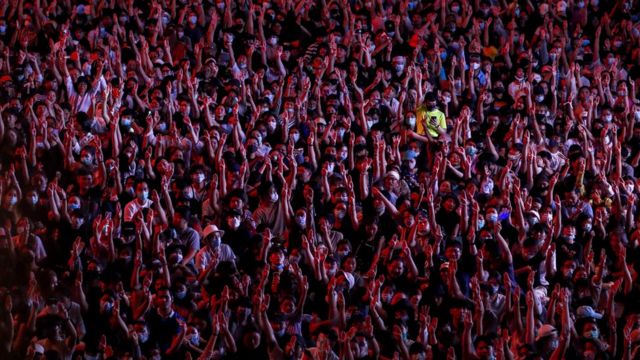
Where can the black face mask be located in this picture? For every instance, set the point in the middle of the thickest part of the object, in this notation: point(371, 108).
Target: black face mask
point(431, 107)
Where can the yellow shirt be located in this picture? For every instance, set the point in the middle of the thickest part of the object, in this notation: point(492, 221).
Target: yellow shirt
point(424, 116)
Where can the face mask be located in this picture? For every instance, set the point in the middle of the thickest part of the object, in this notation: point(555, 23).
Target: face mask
point(446, 99)
point(340, 214)
point(187, 194)
point(492, 218)
point(220, 6)
point(341, 133)
point(34, 200)
point(593, 334)
point(475, 66)
point(3, 29)
point(580, 5)
point(143, 195)
point(180, 34)
point(181, 294)
point(194, 339)
point(471, 151)
point(610, 61)
point(86, 160)
point(480, 224)
point(274, 198)
point(330, 167)
point(431, 107)
point(199, 178)
point(273, 41)
point(539, 98)
point(143, 336)
point(443, 56)
point(411, 121)
point(398, 68)
point(106, 306)
point(295, 137)
point(13, 200)
point(570, 238)
point(126, 122)
point(617, 43)
point(270, 97)
point(161, 128)
point(193, 19)
point(176, 258)
point(455, 9)
point(301, 221)
point(74, 206)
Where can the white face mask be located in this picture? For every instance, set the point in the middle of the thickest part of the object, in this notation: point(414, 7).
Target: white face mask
point(143, 336)
point(274, 197)
point(199, 178)
point(492, 217)
point(193, 338)
point(475, 66)
point(13, 200)
point(295, 137)
point(235, 222)
point(143, 195)
point(411, 121)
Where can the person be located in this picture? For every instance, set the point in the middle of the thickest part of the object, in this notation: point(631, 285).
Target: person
point(431, 121)
point(313, 180)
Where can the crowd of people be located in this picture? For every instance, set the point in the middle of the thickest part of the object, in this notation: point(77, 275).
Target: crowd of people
point(342, 179)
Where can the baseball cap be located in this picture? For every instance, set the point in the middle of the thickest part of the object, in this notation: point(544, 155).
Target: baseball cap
point(587, 312)
point(545, 330)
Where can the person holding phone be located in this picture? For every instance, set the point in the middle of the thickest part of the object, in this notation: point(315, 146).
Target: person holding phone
point(431, 121)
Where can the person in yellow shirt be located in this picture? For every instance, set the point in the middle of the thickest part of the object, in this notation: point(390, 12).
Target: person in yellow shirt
point(431, 122)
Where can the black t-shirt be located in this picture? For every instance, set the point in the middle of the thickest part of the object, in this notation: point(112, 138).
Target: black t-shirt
point(162, 330)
